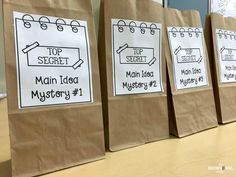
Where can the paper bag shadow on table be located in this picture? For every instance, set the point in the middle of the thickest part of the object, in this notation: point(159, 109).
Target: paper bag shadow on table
point(54, 101)
point(221, 42)
point(133, 73)
point(191, 100)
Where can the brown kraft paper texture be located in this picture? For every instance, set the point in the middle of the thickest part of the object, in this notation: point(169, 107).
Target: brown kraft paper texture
point(46, 139)
point(131, 119)
point(193, 109)
point(225, 93)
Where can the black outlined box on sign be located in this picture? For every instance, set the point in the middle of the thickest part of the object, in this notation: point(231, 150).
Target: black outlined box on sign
point(53, 61)
point(69, 56)
point(228, 54)
point(226, 49)
point(136, 57)
point(188, 55)
point(147, 58)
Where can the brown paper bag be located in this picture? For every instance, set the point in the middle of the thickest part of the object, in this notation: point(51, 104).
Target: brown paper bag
point(130, 52)
point(191, 101)
point(220, 38)
point(54, 102)
point(2, 61)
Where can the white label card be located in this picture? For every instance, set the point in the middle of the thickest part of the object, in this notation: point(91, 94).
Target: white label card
point(136, 57)
point(226, 48)
point(53, 60)
point(224, 7)
point(188, 56)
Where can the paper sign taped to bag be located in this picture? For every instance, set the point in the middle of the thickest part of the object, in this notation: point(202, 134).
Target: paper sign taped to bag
point(53, 61)
point(136, 48)
point(188, 55)
point(226, 48)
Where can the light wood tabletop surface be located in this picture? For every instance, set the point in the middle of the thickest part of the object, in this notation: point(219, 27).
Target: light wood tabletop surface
point(211, 153)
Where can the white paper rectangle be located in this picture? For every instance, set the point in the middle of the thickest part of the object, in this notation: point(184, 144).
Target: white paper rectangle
point(136, 57)
point(3, 95)
point(226, 49)
point(224, 7)
point(188, 56)
point(53, 60)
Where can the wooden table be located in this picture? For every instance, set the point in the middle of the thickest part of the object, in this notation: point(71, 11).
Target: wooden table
point(201, 155)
